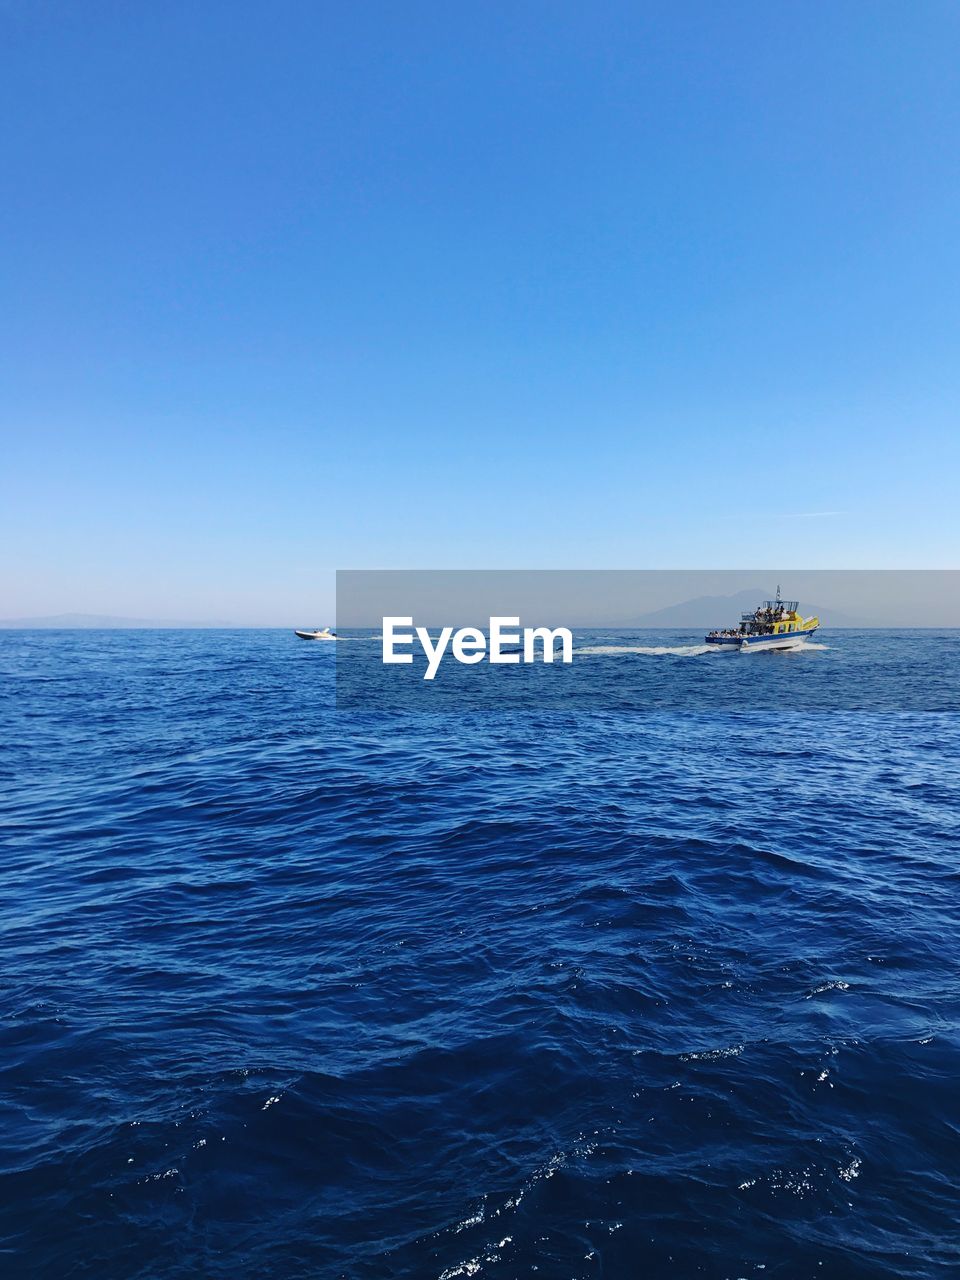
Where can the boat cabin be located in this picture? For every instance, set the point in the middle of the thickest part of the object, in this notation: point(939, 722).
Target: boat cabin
point(772, 618)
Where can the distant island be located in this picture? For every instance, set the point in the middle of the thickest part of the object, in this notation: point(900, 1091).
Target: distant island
point(101, 622)
point(724, 611)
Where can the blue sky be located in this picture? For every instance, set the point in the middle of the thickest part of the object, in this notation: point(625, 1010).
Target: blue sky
point(300, 286)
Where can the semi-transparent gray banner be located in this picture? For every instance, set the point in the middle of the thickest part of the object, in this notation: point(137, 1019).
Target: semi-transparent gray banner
point(646, 640)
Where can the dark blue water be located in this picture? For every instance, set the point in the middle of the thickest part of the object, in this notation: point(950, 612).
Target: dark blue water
point(292, 993)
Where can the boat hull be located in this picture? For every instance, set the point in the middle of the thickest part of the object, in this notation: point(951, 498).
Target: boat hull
point(794, 640)
point(757, 644)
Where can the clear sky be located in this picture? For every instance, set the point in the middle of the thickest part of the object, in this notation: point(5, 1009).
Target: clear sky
point(296, 286)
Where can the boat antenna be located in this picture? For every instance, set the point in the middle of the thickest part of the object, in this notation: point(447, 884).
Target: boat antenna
point(778, 593)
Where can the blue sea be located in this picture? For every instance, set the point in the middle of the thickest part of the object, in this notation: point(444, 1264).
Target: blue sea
point(296, 992)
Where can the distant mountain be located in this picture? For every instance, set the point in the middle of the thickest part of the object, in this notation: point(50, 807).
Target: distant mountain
point(725, 611)
point(93, 621)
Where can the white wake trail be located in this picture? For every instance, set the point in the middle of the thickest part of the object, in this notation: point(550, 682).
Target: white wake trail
point(653, 650)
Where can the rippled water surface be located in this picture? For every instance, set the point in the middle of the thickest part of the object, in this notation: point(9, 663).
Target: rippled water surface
point(289, 992)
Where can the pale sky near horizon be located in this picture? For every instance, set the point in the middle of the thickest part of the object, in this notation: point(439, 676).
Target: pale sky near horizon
point(299, 286)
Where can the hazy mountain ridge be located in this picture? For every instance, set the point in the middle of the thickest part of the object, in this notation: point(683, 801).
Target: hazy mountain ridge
point(725, 611)
point(700, 612)
point(100, 621)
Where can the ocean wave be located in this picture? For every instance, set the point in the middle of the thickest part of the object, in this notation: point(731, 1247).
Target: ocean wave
point(290, 991)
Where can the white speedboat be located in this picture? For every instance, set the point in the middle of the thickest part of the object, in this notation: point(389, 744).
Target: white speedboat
point(776, 624)
point(323, 633)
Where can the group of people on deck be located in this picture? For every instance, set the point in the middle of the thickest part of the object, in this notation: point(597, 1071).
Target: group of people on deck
point(769, 615)
point(763, 616)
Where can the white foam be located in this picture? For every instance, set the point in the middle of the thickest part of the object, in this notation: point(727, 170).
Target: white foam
point(713, 1055)
point(657, 650)
point(834, 985)
point(469, 1267)
point(473, 1220)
